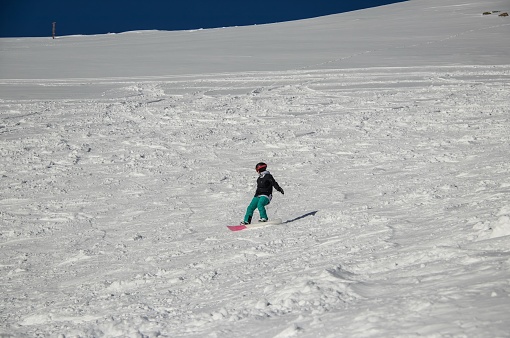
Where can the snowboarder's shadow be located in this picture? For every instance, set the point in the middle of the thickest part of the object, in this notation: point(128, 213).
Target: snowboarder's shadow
point(312, 213)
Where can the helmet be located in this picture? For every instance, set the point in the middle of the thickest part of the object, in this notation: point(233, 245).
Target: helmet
point(261, 166)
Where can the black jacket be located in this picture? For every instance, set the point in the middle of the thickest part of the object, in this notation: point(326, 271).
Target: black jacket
point(265, 184)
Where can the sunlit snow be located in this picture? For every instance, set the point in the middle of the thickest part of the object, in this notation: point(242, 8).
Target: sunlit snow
point(125, 156)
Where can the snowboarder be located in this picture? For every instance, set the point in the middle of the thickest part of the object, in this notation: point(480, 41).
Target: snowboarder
point(263, 194)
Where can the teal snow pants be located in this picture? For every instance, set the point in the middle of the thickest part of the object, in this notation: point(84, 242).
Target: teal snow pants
point(258, 202)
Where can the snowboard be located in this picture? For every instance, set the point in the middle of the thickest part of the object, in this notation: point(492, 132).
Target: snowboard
point(254, 225)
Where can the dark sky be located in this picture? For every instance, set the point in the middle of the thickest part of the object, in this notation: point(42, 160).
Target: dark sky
point(29, 18)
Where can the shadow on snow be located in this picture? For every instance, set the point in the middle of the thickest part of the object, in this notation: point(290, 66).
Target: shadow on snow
point(312, 213)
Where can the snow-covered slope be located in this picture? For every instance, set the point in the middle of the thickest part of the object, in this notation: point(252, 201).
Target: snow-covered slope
point(413, 33)
point(124, 157)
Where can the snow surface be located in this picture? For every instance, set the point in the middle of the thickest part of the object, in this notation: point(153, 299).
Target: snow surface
point(124, 157)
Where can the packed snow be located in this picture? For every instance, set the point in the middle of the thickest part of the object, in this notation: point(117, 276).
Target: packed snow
point(125, 156)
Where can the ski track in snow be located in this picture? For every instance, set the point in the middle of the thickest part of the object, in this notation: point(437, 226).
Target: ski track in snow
point(116, 195)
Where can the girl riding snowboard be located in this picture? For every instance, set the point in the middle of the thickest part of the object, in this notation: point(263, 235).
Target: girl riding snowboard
point(263, 194)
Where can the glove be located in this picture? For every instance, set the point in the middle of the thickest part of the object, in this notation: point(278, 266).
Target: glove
point(281, 190)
